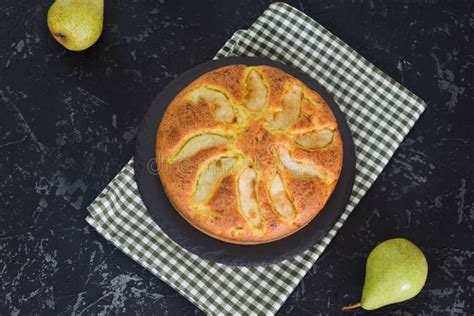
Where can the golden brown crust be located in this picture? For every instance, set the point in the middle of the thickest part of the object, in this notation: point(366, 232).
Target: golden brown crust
point(249, 139)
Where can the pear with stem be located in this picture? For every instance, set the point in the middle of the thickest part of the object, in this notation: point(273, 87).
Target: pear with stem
point(396, 270)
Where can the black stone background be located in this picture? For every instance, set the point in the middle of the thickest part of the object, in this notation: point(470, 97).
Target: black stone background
point(68, 122)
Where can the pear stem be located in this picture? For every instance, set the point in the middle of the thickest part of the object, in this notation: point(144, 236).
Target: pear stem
point(346, 308)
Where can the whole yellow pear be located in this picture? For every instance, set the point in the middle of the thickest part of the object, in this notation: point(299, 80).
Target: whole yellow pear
point(76, 24)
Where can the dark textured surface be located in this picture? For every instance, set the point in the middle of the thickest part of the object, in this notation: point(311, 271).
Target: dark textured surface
point(68, 122)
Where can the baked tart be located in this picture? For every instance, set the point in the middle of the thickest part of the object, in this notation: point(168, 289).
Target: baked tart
point(248, 155)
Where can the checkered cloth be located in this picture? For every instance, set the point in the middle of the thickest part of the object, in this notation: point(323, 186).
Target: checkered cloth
point(380, 112)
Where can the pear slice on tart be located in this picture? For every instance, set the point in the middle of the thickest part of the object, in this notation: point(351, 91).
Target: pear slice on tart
point(198, 143)
point(291, 108)
point(257, 91)
point(218, 102)
point(280, 199)
point(314, 139)
point(210, 177)
point(299, 168)
point(248, 196)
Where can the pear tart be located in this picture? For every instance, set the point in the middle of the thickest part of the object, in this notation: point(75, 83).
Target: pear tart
point(248, 155)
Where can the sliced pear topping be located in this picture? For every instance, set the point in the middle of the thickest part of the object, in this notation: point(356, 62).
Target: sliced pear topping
point(248, 197)
point(291, 108)
point(315, 139)
point(197, 143)
point(257, 92)
point(298, 168)
point(280, 198)
point(218, 102)
point(211, 176)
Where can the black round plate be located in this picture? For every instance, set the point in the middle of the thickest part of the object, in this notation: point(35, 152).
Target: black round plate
point(183, 233)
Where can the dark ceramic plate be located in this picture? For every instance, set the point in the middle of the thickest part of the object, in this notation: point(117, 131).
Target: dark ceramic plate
point(179, 230)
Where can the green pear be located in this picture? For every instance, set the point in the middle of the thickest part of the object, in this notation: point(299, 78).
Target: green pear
point(395, 271)
point(76, 24)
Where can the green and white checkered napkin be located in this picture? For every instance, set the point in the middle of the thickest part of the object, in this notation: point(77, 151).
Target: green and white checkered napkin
point(380, 112)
